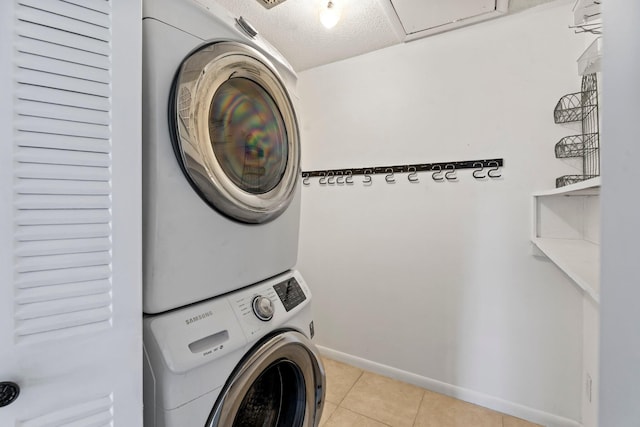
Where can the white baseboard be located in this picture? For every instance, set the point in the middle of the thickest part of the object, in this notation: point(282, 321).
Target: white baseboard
point(485, 400)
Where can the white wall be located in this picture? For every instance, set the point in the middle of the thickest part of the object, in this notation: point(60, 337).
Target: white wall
point(437, 279)
point(620, 343)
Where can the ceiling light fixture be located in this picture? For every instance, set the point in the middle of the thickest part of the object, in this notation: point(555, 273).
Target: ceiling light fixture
point(330, 14)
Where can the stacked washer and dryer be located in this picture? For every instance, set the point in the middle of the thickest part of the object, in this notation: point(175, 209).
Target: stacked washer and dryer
point(227, 325)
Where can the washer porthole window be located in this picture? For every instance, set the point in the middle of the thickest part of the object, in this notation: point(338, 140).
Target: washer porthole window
point(273, 400)
point(235, 132)
point(281, 383)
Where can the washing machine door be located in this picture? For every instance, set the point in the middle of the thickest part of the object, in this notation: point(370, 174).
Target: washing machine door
point(234, 131)
point(280, 384)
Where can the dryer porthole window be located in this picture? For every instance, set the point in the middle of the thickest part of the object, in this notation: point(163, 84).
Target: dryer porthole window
point(248, 135)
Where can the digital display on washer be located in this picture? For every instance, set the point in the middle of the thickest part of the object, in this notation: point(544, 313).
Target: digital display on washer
point(290, 293)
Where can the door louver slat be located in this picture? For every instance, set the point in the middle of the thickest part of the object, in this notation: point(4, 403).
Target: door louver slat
point(87, 86)
point(54, 20)
point(63, 321)
point(100, 6)
point(67, 290)
point(63, 202)
point(62, 172)
point(62, 53)
point(62, 157)
point(61, 97)
point(62, 187)
point(62, 180)
point(37, 31)
point(61, 127)
point(60, 112)
point(57, 262)
point(56, 67)
point(95, 412)
point(71, 246)
point(52, 278)
point(74, 304)
point(70, 11)
point(62, 142)
point(63, 217)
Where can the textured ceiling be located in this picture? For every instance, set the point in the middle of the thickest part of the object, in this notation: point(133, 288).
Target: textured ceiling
point(294, 27)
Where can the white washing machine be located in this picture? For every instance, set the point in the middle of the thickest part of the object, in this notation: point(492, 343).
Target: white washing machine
point(221, 164)
point(244, 359)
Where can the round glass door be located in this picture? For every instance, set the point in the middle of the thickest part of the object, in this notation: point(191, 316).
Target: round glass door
point(235, 132)
point(274, 399)
point(248, 135)
point(281, 383)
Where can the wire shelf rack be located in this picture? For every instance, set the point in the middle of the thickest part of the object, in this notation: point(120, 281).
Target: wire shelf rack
point(574, 107)
point(572, 179)
point(576, 145)
point(583, 107)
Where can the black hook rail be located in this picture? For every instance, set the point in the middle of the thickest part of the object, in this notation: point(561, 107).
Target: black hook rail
point(413, 168)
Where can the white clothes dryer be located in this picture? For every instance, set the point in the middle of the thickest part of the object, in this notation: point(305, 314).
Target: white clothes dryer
point(221, 155)
point(240, 360)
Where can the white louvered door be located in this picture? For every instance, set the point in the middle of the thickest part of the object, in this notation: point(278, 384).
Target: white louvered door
point(70, 212)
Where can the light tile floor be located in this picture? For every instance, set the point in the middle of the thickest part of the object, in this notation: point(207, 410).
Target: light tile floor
point(357, 398)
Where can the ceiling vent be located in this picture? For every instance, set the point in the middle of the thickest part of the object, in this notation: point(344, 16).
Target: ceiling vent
point(270, 3)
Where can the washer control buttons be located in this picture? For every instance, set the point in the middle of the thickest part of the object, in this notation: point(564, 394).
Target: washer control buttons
point(290, 293)
point(263, 308)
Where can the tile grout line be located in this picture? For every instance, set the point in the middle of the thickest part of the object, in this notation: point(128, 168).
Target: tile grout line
point(330, 416)
point(351, 388)
point(362, 371)
point(367, 417)
point(415, 418)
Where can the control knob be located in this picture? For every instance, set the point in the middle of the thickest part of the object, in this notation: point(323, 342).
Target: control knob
point(263, 308)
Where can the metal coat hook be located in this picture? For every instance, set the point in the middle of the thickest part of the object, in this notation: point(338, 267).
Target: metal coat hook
point(478, 170)
point(389, 177)
point(367, 176)
point(330, 178)
point(413, 174)
point(433, 175)
point(450, 175)
point(323, 178)
point(349, 179)
point(496, 168)
point(440, 171)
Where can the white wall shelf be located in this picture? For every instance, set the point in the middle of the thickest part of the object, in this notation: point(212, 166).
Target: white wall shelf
point(579, 259)
point(566, 230)
point(585, 11)
point(590, 60)
point(589, 187)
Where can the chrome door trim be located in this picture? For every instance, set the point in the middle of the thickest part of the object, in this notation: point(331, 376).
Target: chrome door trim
point(196, 83)
point(290, 346)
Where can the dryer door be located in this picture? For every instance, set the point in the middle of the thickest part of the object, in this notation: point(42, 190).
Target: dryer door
point(235, 132)
point(280, 384)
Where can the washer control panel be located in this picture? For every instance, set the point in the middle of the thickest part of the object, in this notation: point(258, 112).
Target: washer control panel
point(266, 306)
point(290, 293)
